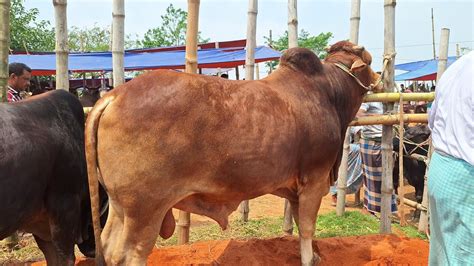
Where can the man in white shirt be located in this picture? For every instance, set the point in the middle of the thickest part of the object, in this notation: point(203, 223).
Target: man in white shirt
point(451, 169)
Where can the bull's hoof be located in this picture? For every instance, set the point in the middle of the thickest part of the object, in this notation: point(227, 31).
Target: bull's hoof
point(315, 261)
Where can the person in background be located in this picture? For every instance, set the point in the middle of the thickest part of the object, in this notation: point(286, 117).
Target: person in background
point(451, 168)
point(19, 76)
point(371, 152)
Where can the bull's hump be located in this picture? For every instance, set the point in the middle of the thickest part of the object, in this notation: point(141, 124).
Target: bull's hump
point(302, 60)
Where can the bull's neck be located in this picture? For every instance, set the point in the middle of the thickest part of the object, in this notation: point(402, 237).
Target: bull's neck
point(346, 94)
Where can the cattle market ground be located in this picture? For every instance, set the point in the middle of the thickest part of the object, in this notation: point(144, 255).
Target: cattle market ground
point(351, 239)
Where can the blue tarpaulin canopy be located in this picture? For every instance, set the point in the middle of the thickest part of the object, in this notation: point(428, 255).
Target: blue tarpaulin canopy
point(45, 64)
point(420, 70)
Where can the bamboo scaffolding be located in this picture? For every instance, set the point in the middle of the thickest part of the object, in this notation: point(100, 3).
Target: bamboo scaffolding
point(250, 71)
point(184, 220)
point(118, 37)
point(4, 46)
point(292, 42)
point(62, 50)
point(343, 168)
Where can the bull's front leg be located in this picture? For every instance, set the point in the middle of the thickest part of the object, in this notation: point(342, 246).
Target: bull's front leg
point(309, 203)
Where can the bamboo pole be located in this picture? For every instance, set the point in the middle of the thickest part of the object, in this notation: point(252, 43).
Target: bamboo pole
point(342, 177)
point(4, 46)
point(442, 64)
point(401, 187)
point(250, 71)
point(389, 119)
point(62, 50)
point(395, 97)
point(257, 72)
point(443, 53)
point(292, 42)
point(184, 220)
point(387, 130)
point(414, 204)
point(118, 36)
point(270, 43)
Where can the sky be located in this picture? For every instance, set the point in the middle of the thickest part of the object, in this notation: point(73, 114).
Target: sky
point(227, 20)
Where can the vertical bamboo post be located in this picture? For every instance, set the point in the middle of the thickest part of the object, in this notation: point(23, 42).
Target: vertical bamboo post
point(433, 34)
point(249, 71)
point(292, 42)
point(118, 36)
point(184, 220)
point(355, 21)
point(342, 178)
point(443, 53)
point(387, 133)
point(257, 72)
point(401, 187)
point(458, 51)
point(270, 42)
point(60, 14)
point(442, 65)
point(4, 46)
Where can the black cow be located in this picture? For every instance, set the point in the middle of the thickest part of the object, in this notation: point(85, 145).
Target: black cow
point(43, 177)
point(413, 170)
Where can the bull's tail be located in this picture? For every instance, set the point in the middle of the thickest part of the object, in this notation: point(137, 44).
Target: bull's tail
point(93, 171)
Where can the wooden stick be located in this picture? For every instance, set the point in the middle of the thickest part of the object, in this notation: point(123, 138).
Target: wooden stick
point(355, 20)
point(118, 35)
point(184, 220)
point(292, 42)
point(4, 46)
point(387, 131)
point(414, 204)
point(62, 50)
point(401, 187)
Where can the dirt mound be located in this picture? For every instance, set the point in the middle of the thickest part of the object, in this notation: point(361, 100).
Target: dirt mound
point(361, 250)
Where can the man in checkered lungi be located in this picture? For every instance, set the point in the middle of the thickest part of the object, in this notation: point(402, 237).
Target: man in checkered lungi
point(451, 168)
point(370, 148)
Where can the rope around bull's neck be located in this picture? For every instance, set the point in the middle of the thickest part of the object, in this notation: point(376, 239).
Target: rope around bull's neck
point(387, 58)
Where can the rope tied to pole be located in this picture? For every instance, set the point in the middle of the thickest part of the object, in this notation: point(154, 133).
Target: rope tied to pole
point(387, 58)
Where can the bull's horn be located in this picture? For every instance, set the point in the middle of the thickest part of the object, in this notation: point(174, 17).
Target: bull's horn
point(358, 48)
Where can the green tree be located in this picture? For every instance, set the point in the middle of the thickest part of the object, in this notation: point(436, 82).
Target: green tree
point(315, 43)
point(94, 39)
point(27, 32)
point(172, 32)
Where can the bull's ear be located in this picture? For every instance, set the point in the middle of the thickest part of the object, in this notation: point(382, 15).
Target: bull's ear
point(358, 65)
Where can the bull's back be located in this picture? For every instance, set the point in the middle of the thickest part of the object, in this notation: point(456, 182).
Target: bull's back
point(38, 137)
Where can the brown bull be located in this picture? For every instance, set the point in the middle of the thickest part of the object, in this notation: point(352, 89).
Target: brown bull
point(203, 144)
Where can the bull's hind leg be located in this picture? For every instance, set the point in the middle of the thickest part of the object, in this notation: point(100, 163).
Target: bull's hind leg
point(140, 230)
point(48, 250)
point(112, 230)
point(309, 203)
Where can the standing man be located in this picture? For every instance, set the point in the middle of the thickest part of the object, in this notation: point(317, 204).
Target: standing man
point(371, 151)
point(19, 76)
point(451, 169)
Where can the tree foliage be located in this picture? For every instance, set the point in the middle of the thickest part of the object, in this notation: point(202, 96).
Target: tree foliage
point(315, 43)
point(172, 32)
point(27, 32)
point(94, 39)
